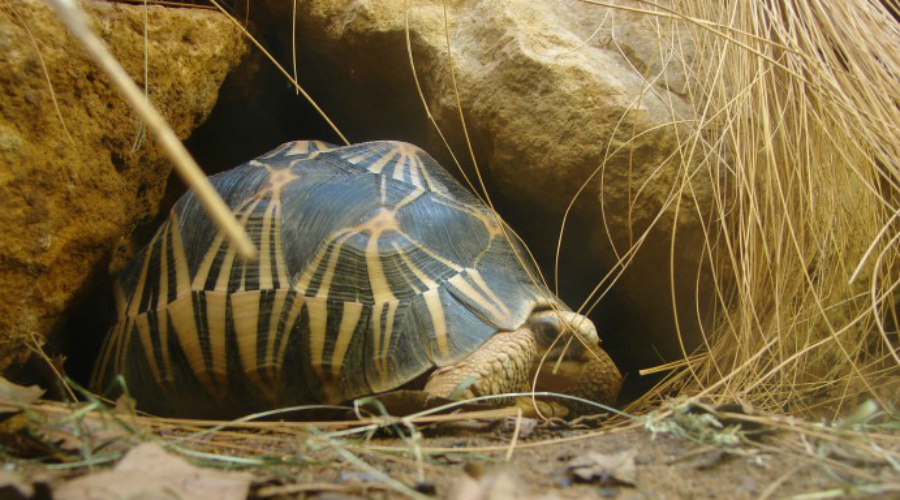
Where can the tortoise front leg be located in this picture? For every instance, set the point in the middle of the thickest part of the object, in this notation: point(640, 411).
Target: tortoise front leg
point(501, 365)
point(507, 363)
point(504, 364)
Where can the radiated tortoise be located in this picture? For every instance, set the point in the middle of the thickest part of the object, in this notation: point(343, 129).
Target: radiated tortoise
point(377, 270)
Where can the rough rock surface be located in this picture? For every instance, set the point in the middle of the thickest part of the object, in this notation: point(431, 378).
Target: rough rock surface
point(550, 92)
point(73, 184)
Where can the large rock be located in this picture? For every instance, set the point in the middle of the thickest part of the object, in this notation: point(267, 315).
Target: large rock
point(75, 175)
point(551, 91)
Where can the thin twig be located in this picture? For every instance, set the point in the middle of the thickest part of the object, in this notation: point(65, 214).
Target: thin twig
point(72, 16)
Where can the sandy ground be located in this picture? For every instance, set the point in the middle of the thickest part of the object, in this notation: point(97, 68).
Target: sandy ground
point(472, 464)
point(664, 469)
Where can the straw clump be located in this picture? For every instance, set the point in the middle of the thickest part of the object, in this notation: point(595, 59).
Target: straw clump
point(797, 105)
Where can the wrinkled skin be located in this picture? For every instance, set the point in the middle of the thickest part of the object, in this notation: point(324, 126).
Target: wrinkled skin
point(554, 351)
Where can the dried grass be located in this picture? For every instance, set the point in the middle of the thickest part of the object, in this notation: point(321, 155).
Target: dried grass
point(797, 134)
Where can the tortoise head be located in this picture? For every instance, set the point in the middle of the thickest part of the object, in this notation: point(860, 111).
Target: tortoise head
point(558, 331)
point(570, 359)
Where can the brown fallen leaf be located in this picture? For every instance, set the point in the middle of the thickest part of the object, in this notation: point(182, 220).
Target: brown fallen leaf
point(500, 484)
point(93, 431)
point(148, 472)
point(616, 469)
point(526, 425)
point(13, 487)
point(15, 397)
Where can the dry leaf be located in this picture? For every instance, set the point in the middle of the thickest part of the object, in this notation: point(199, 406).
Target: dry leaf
point(14, 397)
point(526, 425)
point(605, 470)
point(148, 472)
point(13, 487)
point(497, 485)
point(93, 431)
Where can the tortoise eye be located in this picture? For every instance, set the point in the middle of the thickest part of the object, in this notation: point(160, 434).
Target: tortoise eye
point(546, 325)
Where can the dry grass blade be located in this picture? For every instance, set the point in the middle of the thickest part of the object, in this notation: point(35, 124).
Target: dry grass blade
point(796, 134)
point(75, 20)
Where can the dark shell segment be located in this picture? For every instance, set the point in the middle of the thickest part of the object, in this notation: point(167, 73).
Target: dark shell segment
point(375, 266)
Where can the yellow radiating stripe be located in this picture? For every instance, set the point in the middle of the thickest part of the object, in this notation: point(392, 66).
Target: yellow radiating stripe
point(182, 273)
point(134, 304)
point(376, 332)
point(415, 165)
point(476, 277)
point(163, 328)
point(280, 267)
point(182, 289)
point(399, 168)
point(327, 277)
point(429, 183)
point(388, 333)
point(490, 220)
point(349, 322)
point(265, 257)
point(210, 256)
point(382, 162)
point(438, 320)
point(273, 154)
point(225, 270)
point(309, 271)
point(123, 335)
point(271, 364)
point(245, 314)
point(143, 327)
point(215, 321)
point(462, 207)
point(381, 290)
point(460, 283)
point(414, 195)
point(433, 255)
point(182, 312)
point(323, 146)
point(428, 282)
point(317, 308)
point(203, 271)
point(224, 277)
point(356, 159)
point(163, 270)
point(162, 302)
point(119, 296)
point(298, 148)
point(296, 306)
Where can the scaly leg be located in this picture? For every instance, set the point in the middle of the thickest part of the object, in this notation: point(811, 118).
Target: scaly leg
point(501, 365)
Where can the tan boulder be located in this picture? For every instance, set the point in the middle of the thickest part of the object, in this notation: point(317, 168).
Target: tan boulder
point(550, 91)
point(76, 173)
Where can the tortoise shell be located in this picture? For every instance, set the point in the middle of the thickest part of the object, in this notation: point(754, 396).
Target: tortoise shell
point(375, 266)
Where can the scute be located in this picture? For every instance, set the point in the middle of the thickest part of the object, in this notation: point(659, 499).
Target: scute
point(375, 266)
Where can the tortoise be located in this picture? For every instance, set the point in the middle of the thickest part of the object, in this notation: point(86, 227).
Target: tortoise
point(377, 270)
